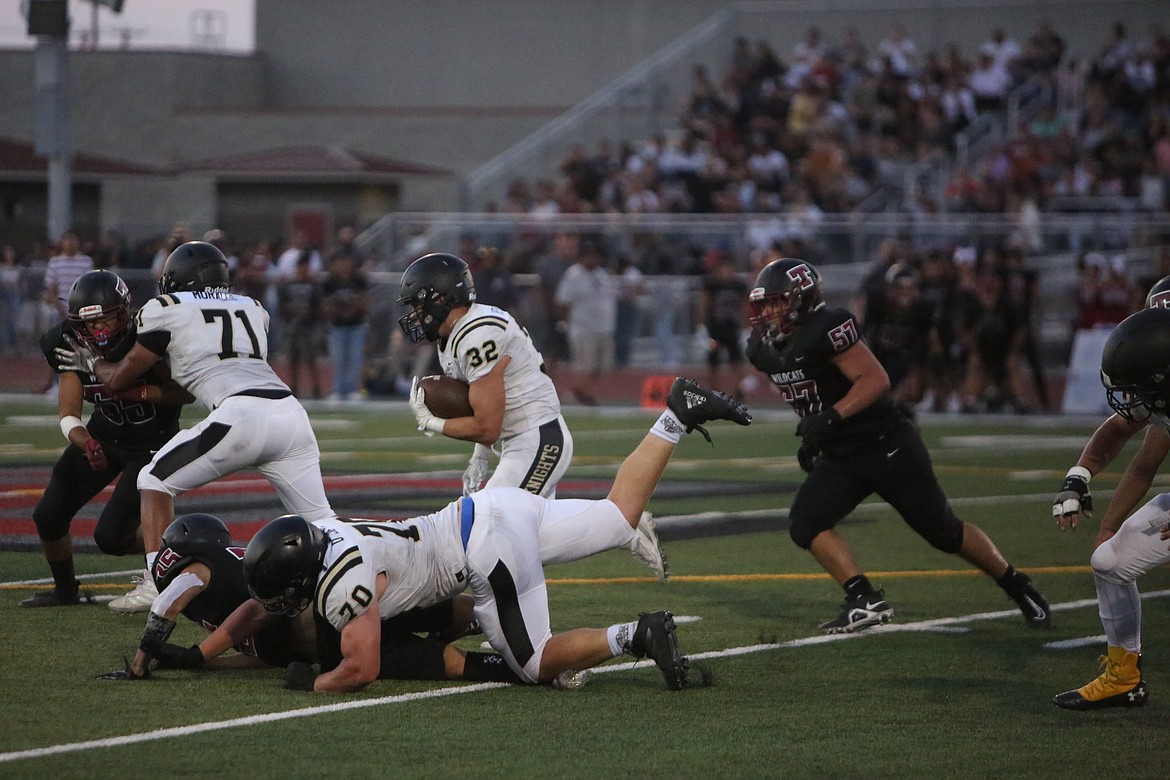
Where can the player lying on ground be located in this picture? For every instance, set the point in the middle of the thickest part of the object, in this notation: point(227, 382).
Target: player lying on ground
point(199, 574)
point(357, 574)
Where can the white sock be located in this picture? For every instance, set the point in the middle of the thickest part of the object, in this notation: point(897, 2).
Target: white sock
point(619, 637)
point(668, 427)
point(150, 556)
point(1120, 607)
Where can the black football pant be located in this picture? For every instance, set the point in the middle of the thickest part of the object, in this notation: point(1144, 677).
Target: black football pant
point(74, 484)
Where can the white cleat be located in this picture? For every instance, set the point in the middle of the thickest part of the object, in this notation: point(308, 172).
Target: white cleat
point(137, 600)
point(647, 549)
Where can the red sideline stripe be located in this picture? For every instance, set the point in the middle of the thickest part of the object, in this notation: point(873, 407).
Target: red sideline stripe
point(82, 529)
point(28, 495)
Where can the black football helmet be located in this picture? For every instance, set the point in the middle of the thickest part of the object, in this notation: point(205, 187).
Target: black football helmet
point(792, 282)
point(282, 563)
point(1135, 365)
point(195, 265)
point(432, 286)
point(1159, 294)
point(99, 313)
point(191, 534)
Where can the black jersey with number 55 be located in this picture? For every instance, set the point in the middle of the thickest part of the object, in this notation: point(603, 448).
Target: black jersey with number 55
point(129, 424)
point(802, 367)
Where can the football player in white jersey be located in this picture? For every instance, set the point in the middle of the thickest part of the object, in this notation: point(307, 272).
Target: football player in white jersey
point(359, 572)
point(215, 343)
point(514, 402)
point(1133, 370)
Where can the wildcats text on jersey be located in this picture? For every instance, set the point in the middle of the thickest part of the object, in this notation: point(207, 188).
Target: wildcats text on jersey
point(784, 377)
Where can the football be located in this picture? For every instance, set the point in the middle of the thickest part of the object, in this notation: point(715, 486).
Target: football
point(446, 396)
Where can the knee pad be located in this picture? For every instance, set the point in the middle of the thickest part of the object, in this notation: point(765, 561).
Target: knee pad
point(147, 481)
point(111, 543)
point(804, 529)
point(1106, 564)
point(946, 536)
point(50, 525)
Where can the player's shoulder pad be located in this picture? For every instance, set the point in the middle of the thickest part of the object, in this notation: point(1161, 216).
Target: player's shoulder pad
point(839, 327)
point(474, 331)
point(345, 569)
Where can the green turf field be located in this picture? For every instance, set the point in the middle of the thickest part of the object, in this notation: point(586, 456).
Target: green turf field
point(967, 698)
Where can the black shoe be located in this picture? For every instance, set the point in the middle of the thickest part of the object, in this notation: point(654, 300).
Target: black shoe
point(655, 636)
point(870, 609)
point(58, 597)
point(694, 404)
point(1030, 601)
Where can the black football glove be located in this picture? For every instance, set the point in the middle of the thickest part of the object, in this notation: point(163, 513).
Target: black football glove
point(125, 673)
point(299, 676)
point(174, 657)
point(815, 428)
point(807, 456)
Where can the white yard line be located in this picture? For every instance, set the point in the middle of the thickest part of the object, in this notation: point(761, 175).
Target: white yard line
point(272, 717)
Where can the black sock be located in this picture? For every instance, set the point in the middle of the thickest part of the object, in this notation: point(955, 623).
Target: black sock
point(856, 587)
point(489, 667)
point(63, 577)
point(1008, 580)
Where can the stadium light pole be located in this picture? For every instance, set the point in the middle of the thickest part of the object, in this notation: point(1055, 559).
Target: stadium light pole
point(48, 20)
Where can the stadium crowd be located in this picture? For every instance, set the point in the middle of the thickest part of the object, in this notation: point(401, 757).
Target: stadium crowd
point(786, 139)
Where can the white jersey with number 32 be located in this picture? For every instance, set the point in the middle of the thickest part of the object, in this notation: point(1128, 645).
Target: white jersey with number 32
point(216, 342)
point(479, 339)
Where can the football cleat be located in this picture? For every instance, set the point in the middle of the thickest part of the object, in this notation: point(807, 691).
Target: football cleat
point(1030, 601)
point(571, 679)
point(871, 609)
point(694, 404)
point(1120, 685)
point(59, 598)
point(137, 600)
point(647, 549)
point(655, 637)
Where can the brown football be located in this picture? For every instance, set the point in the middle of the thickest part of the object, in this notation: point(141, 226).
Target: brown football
point(446, 396)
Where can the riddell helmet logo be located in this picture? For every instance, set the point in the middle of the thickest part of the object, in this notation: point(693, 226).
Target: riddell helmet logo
point(802, 275)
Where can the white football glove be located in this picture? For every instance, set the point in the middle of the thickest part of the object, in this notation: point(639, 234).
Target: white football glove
point(427, 422)
point(1073, 499)
point(477, 469)
point(75, 357)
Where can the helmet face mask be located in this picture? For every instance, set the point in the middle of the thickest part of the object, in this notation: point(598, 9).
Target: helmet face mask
point(433, 286)
point(99, 313)
point(195, 265)
point(786, 290)
point(282, 564)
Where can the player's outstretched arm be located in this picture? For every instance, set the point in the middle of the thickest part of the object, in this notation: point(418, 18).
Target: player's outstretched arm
point(1073, 498)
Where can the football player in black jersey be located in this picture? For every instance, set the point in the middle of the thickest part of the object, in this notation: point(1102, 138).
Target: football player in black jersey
point(199, 574)
point(119, 438)
point(855, 443)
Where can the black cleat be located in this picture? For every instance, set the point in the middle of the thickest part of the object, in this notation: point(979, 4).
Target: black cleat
point(694, 404)
point(655, 637)
point(871, 609)
point(58, 597)
point(1030, 601)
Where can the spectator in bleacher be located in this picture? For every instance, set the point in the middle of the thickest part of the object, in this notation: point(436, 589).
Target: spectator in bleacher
point(298, 247)
point(631, 287)
point(10, 300)
point(180, 234)
point(899, 51)
point(253, 275)
point(300, 309)
point(548, 330)
point(346, 303)
point(63, 270)
point(722, 313)
point(493, 280)
point(990, 81)
point(1045, 49)
point(587, 296)
point(1004, 50)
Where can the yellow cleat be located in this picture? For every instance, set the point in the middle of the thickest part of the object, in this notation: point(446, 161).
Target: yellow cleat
point(1120, 685)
